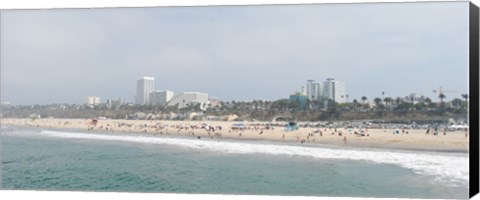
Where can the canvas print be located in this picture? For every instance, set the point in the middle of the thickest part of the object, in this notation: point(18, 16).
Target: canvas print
point(329, 100)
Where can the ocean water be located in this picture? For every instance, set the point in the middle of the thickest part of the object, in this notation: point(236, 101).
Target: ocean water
point(39, 159)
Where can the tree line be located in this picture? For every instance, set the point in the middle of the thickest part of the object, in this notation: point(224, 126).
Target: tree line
point(265, 110)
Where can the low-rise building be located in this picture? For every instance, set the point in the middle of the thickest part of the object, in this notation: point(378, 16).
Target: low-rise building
point(161, 97)
point(300, 99)
point(187, 99)
point(112, 103)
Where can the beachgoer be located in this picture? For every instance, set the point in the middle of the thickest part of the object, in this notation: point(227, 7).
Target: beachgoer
point(345, 140)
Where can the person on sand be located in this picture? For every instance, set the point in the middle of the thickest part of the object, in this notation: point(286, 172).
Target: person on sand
point(345, 140)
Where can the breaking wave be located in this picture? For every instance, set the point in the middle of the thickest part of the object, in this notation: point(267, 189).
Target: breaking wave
point(447, 168)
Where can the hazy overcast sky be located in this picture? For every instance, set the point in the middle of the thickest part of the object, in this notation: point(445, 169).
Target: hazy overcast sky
point(234, 52)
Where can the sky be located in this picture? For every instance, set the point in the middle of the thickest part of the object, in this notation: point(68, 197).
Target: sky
point(234, 52)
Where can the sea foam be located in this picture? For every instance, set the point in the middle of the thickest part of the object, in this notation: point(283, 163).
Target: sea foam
point(452, 169)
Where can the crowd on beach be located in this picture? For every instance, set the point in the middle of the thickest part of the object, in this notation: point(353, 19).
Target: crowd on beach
point(278, 131)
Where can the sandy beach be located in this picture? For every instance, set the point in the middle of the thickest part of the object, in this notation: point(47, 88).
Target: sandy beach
point(409, 139)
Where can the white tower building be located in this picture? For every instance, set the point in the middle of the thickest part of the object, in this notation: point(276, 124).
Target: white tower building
point(314, 90)
point(334, 90)
point(317, 91)
point(145, 85)
point(310, 89)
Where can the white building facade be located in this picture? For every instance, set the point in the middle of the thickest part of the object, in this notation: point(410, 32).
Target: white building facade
point(334, 90)
point(145, 86)
point(310, 89)
point(186, 99)
point(317, 91)
point(114, 103)
point(92, 100)
point(161, 97)
point(314, 90)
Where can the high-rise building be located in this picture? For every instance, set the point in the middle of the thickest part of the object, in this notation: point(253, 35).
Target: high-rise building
point(317, 91)
point(310, 89)
point(334, 90)
point(314, 90)
point(92, 101)
point(145, 85)
point(186, 99)
point(161, 97)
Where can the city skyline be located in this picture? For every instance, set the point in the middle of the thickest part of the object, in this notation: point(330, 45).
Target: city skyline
point(245, 55)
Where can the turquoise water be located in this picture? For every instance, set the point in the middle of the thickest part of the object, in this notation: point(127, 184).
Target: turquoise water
point(35, 159)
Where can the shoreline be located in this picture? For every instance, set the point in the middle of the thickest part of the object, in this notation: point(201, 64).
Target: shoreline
point(383, 139)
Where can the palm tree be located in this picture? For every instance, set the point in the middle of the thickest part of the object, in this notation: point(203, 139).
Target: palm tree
point(364, 99)
point(442, 96)
point(377, 102)
point(398, 100)
point(456, 102)
point(429, 103)
point(365, 105)
point(387, 100)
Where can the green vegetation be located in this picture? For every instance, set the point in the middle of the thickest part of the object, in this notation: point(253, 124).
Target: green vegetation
point(386, 109)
